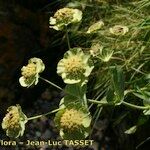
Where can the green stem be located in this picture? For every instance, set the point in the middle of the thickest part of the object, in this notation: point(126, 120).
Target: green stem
point(68, 42)
point(134, 106)
point(123, 102)
point(99, 102)
point(58, 87)
point(39, 116)
point(51, 83)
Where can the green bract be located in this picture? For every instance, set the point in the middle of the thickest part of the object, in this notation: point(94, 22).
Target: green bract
point(14, 122)
point(75, 67)
point(73, 122)
point(119, 30)
point(30, 73)
point(95, 27)
point(64, 17)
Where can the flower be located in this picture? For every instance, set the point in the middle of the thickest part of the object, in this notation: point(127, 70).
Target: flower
point(14, 122)
point(119, 30)
point(30, 72)
point(75, 66)
point(95, 49)
point(96, 26)
point(73, 121)
point(64, 17)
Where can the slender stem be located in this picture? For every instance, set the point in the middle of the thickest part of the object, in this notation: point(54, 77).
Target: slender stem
point(51, 83)
point(99, 102)
point(68, 42)
point(135, 106)
point(39, 116)
point(58, 87)
point(123, 102)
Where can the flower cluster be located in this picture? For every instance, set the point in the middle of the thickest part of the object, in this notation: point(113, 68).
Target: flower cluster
point(74, 119)
point(14, 122)
point(64, 17)
point(95, 27)
point(75, 66)
point(119, 30)
point(95, 49)
point(30, 72)
point(71, 119)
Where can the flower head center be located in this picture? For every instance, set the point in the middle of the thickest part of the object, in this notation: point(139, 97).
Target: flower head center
point(12, 119)
point(71, 119)
point(119, 30)
point(29, 70)
point(64, 14)
point(74, 65)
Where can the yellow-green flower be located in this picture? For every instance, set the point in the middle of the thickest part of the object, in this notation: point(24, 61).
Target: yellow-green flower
point(95, 49)
point(30, 72)
point(75, 67)
point(95, 27)
point(14, 122)
point(64, 17)
point(119, 30)
point(73, 122)
point(71, 119)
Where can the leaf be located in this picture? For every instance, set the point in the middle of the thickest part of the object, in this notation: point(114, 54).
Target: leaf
point(131, 130)
point(116, 89)
point(139, 95)
point(118, 83)
point(146, 112)
point(75, 93)
point(76, 90)
point(144, 95)
point(110, 95)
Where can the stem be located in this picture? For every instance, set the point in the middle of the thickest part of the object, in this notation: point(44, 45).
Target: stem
point(123, 102)
point(58, 87)
point(39, 116)
point(99, 102)
point(68, 42)
point(135, 106)
point(51, 83)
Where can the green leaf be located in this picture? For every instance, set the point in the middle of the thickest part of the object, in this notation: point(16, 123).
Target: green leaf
point(116, 90)
point(118, 83)
point(75, 93)
point(76, 90)
point(146, 112)
point(110, 95)
point(131, 130)
point(144, 95)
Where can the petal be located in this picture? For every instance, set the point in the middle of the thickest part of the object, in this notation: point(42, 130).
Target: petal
point(39, 64)
point(77, 16)
point(22, 82)
point(71, 81)
point(52, 21)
